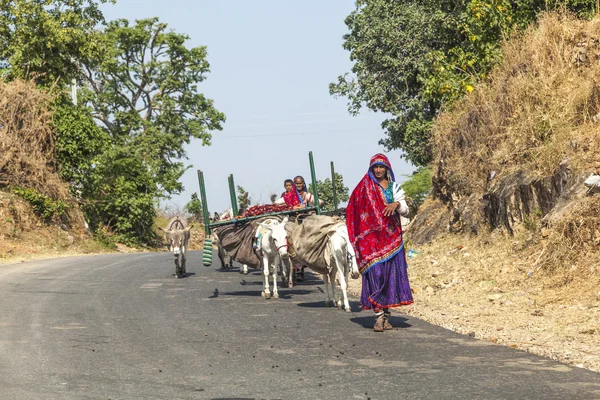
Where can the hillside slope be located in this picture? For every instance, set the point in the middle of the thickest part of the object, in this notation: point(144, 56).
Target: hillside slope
point(509, 241)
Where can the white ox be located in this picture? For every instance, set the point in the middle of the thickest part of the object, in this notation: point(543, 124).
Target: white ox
point(178, 235)
point(339, 262)
point(272, 247)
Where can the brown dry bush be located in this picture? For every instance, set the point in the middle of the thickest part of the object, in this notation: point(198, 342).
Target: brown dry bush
point(26, 141)
point(575, 236)
point(540, 106)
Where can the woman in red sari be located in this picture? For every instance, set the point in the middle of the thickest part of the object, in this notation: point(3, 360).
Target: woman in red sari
point(375, 231)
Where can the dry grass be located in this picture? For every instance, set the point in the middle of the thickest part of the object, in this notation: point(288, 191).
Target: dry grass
point(487, 287)
point(538, 108)
point(26, 140)
point(574, 240)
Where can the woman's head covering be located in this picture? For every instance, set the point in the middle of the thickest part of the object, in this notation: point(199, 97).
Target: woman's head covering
point(375, 237)
point(303, 181)
point(380, 159)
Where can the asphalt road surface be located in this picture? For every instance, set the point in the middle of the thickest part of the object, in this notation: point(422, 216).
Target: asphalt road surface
point(123, 327)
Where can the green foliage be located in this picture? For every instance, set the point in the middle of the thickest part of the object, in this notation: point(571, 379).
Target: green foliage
point(243, 199)
point(194, 207)
point(43, 206)
point(45, 39)
point(121, 148)
point(417, 188)
point(410, 58)
point(325, 191)
point(79, 145)
point(124, 197)
point(141, 84)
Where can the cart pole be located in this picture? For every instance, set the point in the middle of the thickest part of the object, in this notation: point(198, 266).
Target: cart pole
point(335, 199)
point(234, 205)
point(314, 182)
point(204, 203)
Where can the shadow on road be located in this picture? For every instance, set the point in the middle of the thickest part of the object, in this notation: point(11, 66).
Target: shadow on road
point(283, 294)
point(369, 321)
point(232, 269)
point(354, 305)
point(186, 275)
point(244, 282)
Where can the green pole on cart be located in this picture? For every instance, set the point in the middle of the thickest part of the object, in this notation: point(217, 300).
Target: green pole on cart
point(314, 182)
point(207, 250)
point(234, 204)
point(335, 199)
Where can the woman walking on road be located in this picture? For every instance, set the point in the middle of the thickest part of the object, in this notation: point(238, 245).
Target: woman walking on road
point(375, 231)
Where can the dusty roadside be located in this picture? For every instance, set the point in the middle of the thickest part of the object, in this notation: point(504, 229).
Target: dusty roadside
point(495, 293)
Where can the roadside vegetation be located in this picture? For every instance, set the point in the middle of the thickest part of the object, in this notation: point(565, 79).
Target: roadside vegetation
point(107, 157)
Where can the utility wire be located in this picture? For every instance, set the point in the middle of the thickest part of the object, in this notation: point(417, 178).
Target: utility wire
point(289, 134)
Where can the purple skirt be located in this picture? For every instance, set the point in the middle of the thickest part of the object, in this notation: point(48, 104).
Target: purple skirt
point(386, 285)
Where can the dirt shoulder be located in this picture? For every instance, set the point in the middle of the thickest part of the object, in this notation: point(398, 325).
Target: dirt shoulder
point(495, 293)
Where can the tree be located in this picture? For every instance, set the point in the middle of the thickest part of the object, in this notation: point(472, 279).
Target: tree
point(141, 85)
point(46, 39)
point(325, 191)
point(194, 207)
point(417, 188)
point(412, 57)
point(243, 199)
point(123, 147)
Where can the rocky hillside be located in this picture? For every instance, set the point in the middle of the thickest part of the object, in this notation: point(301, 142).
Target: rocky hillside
point(508, 244)
point(515, 153)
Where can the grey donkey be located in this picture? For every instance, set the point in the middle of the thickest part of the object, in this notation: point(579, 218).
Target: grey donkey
point(178, 235)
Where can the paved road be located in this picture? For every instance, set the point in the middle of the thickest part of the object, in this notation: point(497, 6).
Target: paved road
point(122, 327)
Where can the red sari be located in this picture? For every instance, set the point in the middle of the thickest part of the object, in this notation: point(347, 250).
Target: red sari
point(377, 241)
point(374, 236)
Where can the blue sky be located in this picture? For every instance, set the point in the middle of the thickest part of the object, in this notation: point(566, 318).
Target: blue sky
point(271, 64)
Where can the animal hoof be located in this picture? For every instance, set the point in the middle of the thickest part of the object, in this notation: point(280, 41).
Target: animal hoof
point(267, 295)
point(275, 295)
point(348, 309)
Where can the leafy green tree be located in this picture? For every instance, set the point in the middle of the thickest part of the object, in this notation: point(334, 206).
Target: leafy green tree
point(417, 188)
point(142, 86)
point(194, 207)
point(244, 200)
point(412, 57)
point(79, 144)
point(122, 146)
point(46, 39)
point(325, 189)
